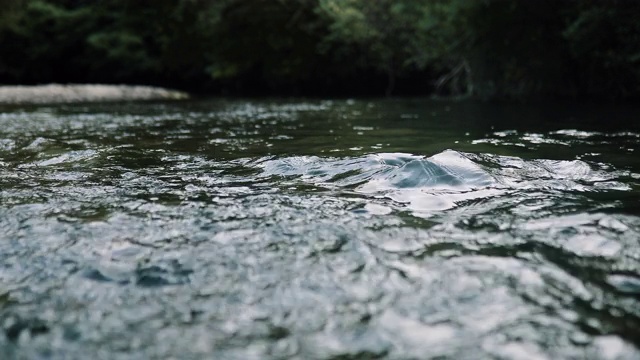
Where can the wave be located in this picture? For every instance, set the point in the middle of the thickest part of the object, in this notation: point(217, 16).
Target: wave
point(439, 182)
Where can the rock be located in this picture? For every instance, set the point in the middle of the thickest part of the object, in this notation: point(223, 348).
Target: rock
point(56, 93)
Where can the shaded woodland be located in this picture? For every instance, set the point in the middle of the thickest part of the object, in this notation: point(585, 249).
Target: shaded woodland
point(483, 48)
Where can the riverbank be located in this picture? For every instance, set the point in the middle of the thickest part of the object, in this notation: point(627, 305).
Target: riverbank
point(58, 93)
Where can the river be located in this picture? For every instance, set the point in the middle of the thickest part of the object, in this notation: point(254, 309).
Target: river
point(308, 229)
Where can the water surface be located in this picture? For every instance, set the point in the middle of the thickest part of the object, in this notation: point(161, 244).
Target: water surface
point(391, 229)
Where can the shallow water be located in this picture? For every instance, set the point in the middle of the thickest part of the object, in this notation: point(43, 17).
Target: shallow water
point(388, 229)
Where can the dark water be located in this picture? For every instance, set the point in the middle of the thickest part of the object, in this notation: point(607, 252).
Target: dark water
point(320, 230)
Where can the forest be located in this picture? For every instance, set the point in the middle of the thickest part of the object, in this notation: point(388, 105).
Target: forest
point(489, 49)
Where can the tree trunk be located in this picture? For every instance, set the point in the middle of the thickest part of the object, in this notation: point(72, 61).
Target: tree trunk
point(391, 81)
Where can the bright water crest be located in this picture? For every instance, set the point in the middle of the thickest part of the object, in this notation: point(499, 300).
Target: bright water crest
point(389, 229)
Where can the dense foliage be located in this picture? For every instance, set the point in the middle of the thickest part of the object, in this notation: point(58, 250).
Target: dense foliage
point(490, 48)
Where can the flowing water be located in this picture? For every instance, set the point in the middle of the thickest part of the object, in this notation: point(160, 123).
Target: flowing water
point(392, 229)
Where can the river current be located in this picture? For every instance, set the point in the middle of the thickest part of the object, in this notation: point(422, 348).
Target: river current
point(367, 229)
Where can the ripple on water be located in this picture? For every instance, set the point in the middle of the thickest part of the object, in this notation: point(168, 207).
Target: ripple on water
point(159, 232)
point(423, 185)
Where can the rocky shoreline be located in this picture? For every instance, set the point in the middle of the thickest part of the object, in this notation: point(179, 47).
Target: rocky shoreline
point(57, 93)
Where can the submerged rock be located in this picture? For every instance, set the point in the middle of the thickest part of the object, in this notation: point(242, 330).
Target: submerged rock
point(56, 93)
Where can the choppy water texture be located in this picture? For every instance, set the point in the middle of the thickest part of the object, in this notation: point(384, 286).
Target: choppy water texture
point(319, 230)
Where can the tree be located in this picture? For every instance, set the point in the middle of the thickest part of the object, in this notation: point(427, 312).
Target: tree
point(392, 36)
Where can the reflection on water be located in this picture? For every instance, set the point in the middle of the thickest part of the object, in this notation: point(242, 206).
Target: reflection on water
point(319, 230)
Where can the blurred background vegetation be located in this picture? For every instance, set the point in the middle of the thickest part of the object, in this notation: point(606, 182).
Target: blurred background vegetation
point(484, 48)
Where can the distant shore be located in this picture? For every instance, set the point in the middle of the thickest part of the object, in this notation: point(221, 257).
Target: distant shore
point(57, 93)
